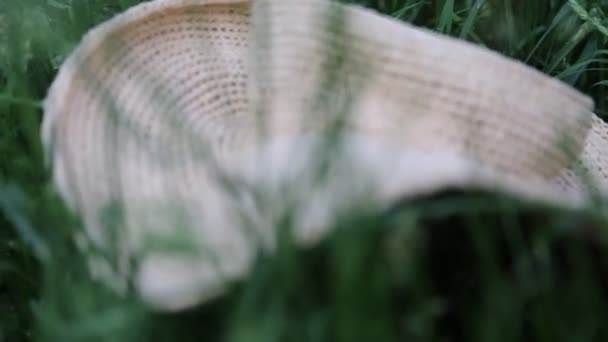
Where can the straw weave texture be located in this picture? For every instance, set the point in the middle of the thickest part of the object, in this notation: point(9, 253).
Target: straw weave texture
point(201, 122)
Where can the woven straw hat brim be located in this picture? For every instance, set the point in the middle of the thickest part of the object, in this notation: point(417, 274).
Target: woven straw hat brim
point(192, 121)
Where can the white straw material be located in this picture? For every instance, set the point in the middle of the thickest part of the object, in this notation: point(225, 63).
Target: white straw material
point(182, 131)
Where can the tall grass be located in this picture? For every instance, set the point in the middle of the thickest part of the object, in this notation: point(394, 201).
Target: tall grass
point(455, 266)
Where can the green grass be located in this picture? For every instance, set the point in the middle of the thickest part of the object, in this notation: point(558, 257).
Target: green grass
point(451, 267)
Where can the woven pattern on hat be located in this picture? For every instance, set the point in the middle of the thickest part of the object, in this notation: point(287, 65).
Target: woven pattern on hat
point(164, 118)
point(127, 125)
point(590, 172)
point(416, 88)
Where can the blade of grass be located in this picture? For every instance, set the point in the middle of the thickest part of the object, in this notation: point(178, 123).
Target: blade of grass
point(469, 22)
point(561, 15)
point(446, 17)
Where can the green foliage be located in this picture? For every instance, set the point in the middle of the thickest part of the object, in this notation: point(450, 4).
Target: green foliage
point(462, 267)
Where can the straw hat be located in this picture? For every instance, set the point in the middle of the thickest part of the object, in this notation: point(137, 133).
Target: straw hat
point(183, 130)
